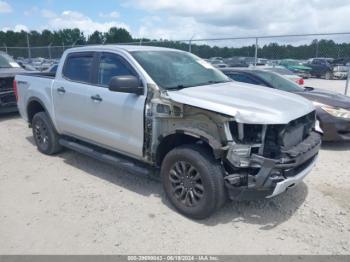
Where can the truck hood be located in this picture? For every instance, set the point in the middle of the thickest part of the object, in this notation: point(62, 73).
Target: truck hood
point(247, 103)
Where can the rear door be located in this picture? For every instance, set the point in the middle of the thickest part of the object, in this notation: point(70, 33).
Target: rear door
point(71, 95)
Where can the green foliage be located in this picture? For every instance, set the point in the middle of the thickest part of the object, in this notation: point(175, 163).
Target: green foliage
point(117, 35)
point(69, 37)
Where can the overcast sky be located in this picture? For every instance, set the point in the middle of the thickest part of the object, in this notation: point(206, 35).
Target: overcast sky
point(179, 19)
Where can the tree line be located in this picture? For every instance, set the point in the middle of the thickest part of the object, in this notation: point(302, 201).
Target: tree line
point(69, 37)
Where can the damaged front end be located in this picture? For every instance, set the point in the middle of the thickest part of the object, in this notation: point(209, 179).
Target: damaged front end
point(266, 160)
point(258, 160)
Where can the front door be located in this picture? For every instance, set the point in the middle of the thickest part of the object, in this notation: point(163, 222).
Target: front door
point(117, 119)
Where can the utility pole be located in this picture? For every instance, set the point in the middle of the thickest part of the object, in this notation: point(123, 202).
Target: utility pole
point(256, 52)
point(347, 82)
point(49, 47)
point(190, 45)
point(316, 48)
point(28, 45)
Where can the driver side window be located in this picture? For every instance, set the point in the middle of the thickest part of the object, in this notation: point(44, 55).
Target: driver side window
point(112, 65)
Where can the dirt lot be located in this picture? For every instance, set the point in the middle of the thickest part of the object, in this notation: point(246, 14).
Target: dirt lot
point(72, 204)
point(332, 85)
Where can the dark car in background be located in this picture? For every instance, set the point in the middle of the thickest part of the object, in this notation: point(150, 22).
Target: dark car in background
point(321, 67)
point(333, 109)
point(8, 69)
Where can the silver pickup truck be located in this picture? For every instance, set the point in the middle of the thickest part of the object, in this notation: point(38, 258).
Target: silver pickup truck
point(165, 112)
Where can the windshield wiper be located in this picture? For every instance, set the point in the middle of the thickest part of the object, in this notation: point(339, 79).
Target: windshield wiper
point(218, 82)
point(178, 87)
point(308, 88)
point(213, 82)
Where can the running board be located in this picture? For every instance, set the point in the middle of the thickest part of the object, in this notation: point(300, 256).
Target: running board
point(112, 158)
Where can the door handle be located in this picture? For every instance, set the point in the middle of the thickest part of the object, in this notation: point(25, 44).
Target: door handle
point(61, 90)
point(96, 98)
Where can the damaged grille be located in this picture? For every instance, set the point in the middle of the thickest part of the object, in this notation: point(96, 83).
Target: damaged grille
point(282, 137)
point(252, 133)
point(278, 138)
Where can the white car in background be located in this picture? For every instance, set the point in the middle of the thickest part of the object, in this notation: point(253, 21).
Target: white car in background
point(286, 73)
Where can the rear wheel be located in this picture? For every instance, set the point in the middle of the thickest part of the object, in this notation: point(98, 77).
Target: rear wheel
point(45, 135)
point(193, 181)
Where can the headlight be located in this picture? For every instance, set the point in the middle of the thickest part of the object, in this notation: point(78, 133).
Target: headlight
point(334, 111)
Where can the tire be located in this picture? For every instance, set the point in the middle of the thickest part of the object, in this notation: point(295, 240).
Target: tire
point(328, 76)
point(198, 191)
point(45, 135)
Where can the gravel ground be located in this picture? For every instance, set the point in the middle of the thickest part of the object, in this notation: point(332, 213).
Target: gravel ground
point(71, 204)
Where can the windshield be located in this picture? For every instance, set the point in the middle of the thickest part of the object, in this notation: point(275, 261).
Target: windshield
point(176, 70)
point(6, 61)
point(279, 82)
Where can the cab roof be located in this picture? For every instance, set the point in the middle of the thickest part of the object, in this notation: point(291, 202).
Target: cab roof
point(128, 48)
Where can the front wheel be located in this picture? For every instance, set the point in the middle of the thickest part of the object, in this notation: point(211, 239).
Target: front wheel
point(328, 76)
point(193, 181)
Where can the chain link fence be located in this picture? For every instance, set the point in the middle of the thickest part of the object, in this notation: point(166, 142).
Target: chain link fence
point(290, 51)
point(48, 52)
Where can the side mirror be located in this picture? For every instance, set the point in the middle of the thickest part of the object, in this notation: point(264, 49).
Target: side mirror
point(126, 84)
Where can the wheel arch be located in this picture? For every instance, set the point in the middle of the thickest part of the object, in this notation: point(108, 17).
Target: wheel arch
point(35, 105)
point(176, 138)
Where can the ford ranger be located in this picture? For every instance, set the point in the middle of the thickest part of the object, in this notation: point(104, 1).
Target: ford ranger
point(165, 112)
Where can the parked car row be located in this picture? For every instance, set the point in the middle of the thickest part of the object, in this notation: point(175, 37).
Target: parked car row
point(326, 68)
point(36, 64)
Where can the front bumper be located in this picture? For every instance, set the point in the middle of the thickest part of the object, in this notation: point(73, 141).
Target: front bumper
point(334, 129)
point(340, 75)
point(292, 181)
point(277, 175)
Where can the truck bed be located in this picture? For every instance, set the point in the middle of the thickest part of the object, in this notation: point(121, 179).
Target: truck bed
point(40, 74)
point(36, 85)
